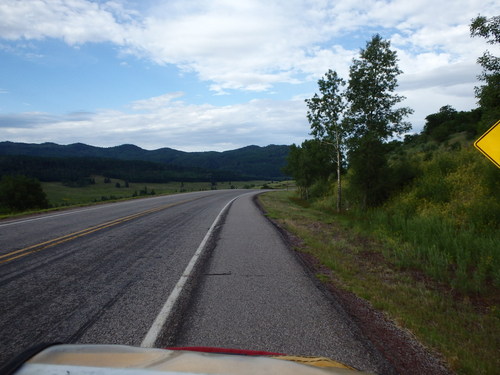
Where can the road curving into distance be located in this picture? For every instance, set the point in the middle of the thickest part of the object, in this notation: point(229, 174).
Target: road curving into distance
point(112, 273)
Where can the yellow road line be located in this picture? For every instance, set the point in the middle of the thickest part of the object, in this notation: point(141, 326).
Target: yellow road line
point(68, 237)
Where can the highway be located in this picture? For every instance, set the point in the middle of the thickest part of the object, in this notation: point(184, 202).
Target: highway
point(105, 274)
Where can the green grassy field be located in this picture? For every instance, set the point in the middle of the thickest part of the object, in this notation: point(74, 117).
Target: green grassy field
point(60, 195)
point(463, 327)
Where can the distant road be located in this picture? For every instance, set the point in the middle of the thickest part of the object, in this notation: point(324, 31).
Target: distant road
point(102, 274)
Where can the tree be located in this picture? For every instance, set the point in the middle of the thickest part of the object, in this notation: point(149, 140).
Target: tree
point(371, 117)
point(441, 125)
point(309, 163)
point(325, 115)
point(488, 94)
point(432, 121)
point(20, 193)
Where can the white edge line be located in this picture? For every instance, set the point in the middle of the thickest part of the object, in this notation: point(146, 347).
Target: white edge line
point(72, 212)
point(153, 333)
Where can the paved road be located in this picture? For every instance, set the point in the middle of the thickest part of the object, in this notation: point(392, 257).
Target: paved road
point(111, 268)
point(254, 294)
point(103, 287)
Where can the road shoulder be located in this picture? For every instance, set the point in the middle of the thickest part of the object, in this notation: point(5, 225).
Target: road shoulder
point(254, 294)
point(396, 344)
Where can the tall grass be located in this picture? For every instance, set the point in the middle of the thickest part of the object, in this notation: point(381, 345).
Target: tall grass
point(446, 223)
point(462, 258)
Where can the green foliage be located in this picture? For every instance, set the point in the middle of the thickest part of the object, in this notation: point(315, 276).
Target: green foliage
point(309, 163)
point(369, 172)
point(440, 126)
point(326, 111)
point(443, 207)
point(77, 172)
point(486, 28)
point(488, 95)
point(450, 220)
point(370, 93)
point(361, 120)
point(20, 193)
point(372, 117)
point(326, 117)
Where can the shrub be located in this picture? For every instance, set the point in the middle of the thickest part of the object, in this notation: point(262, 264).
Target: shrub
point(20, 193)
point(449, 219)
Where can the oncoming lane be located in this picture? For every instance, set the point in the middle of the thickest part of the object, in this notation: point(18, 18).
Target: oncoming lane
point(19, 233)
point(10, 256)
point(107, 285)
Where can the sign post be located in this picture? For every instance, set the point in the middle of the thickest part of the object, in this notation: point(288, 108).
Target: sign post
point(489, 144)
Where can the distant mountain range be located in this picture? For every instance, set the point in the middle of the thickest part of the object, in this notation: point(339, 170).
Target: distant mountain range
point(251, 162)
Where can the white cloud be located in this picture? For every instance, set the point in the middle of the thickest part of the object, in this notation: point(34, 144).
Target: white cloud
point(169, 123)
point(247, 45)
point(254, 44)
point(441, 76)
point(156, 102)
point(74, 21)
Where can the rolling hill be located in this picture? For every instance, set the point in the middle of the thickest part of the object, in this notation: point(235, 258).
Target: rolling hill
point(251, 162)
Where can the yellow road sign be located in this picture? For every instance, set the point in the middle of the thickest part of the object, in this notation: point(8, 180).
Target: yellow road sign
point(489, 144)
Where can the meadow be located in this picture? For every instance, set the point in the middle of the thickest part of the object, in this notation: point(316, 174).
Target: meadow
point(60, 195)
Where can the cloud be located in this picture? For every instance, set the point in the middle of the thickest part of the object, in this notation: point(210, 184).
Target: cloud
point(168, 123)
point(26, 120)
point(252, 45)
point(156, 102)
point(441, 76)
point(237, 45)
point(74, 21)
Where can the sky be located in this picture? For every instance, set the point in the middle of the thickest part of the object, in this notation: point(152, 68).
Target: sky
point(216, 75)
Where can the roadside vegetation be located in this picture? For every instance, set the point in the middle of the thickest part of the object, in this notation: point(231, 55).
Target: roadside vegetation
point(412, 226)
point(365, 258)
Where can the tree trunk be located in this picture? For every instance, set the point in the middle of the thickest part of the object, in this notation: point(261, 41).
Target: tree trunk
point(339, 179)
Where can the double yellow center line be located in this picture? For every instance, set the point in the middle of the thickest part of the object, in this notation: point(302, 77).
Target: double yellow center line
point(68, 237)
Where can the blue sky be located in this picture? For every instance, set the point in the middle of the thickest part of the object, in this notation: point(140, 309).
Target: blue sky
point(215, 74)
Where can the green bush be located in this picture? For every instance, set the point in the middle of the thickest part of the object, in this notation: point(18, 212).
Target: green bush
point(449, 221)
point(20, 193)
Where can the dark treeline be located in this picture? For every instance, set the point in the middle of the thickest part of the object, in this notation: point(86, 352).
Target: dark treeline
point(78, 171)
point(251, 162)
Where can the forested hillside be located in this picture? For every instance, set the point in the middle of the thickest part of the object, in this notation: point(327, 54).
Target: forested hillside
point(49, 162)
point(73, 171)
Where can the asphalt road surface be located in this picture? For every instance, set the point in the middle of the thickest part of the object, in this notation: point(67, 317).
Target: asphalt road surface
point(103, 274)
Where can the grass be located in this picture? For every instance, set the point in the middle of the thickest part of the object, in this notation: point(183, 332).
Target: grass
point(464, 259)
point(60, 195)
point(464, 328)
point(448, 219)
